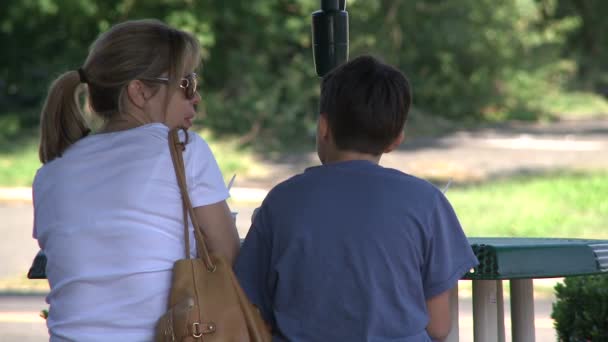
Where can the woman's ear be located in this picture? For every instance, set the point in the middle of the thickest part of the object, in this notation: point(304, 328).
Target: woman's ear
point(398, 140)
point(136, 92)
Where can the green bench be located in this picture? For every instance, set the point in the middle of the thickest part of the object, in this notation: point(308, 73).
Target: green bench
point(519, 260)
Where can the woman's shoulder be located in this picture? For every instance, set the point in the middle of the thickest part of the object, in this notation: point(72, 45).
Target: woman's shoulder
point(195, 138)
point(196, 143)
point(160, 132)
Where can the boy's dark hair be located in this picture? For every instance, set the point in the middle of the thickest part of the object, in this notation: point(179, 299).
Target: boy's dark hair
point(366, 103)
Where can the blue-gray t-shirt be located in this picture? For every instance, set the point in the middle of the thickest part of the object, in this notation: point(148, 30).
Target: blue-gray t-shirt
point(351, 251)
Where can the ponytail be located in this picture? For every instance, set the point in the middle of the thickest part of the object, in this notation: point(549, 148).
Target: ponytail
point(133, 50)
point(61, 121)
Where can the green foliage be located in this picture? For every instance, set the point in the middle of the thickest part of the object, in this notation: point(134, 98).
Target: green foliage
point(48, 37)
point(581, 309)
point(541, 93)
point(587, 42)
point(259, 77)
point(467, 59)
point(455, 52)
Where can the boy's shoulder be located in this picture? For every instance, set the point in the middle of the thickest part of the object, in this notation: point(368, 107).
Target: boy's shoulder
point(335, 177)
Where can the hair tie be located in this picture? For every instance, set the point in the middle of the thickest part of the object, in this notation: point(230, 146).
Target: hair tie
point(83, 77)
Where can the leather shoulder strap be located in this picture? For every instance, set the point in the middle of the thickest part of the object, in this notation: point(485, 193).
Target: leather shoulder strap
point(177, 147)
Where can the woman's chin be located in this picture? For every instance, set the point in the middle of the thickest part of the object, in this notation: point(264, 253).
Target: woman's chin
point(187, 123)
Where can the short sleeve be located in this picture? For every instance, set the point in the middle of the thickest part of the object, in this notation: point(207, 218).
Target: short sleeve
point(41, 214)
point(448, 254)
point(205, 182)
point(253, 265)
point(34, 198)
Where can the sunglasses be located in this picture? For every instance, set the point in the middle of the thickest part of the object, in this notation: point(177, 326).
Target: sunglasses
point(189, 84)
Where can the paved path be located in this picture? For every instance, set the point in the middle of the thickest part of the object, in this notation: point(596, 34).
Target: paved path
point(17, 247)
point(480, 154)
point(19, 320)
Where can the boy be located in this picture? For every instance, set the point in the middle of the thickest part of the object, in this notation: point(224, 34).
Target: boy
point(349, 250)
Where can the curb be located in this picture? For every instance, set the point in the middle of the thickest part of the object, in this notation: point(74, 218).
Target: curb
point(18, 194)
point(237, 194)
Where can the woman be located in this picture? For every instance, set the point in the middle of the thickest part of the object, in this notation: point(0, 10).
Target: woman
point(108, 211)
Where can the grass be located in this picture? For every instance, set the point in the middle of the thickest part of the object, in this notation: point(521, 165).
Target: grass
point(562, 204)
point(19, 161)
point(575, 105)
point(232, 158)
point(18, 167)
point(20, 285)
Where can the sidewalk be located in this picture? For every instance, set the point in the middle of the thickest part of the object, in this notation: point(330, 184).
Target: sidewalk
point(20, 320)
point(20, 194)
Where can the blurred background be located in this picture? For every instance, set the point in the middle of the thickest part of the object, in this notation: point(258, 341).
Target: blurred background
point(470, 61)
point(510, 105)
point(487, 76)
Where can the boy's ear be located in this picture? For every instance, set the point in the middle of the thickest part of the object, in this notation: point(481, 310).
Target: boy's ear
point(398, 140)
point(324, 131)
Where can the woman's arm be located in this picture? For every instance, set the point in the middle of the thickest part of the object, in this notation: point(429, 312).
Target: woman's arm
point(220, 229)
point(439, 316)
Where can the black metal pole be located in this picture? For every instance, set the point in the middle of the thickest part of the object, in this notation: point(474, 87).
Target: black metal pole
point(330, 35)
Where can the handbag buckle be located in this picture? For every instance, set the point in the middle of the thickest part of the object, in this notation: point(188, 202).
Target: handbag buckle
point(198, 331)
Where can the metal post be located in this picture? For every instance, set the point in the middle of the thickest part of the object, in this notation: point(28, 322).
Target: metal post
point(454, 328)
point(486, 319)
point(522, 310)
point(500, 308)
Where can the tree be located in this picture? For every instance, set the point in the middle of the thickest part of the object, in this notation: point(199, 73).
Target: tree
point(587, 42)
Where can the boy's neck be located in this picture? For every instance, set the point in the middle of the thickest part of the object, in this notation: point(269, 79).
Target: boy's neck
point(341, 156)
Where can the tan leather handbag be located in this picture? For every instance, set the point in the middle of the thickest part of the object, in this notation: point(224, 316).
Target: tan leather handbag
point(206, 301)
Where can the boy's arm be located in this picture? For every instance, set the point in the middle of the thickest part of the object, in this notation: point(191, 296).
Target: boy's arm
point(253, 266)
point(439, 316)
point(448, 256)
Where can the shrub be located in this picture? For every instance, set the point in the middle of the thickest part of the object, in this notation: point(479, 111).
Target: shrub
point(581, 309)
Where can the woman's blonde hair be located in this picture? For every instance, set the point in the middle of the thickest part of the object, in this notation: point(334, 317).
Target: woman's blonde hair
point(140, 49)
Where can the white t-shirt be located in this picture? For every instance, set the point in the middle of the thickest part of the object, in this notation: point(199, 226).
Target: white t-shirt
point(108, 215)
